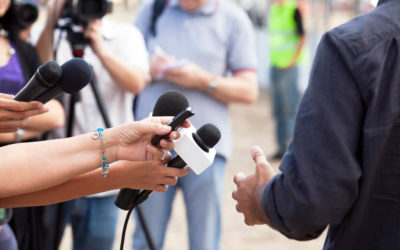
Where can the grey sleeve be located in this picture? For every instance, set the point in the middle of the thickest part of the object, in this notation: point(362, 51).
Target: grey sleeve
point(142, 21)
point(242, 46)
point(320, 173)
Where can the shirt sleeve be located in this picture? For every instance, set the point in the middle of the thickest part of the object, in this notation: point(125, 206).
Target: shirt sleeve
point(299, 21)
point(242, 45)
point(144, 13)
point(318, 184)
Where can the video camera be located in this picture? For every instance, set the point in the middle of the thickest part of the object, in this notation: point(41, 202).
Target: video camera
point(26, 12)
point(77, 14)
point(82, 11)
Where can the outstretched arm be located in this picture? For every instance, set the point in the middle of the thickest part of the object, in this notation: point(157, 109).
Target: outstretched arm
point(149, 175)
point(30, 167)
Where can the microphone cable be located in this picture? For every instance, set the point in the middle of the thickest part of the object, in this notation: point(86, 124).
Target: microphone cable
point(147, 234)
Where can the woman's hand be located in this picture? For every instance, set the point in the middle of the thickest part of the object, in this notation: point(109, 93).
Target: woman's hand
point(131, 141)
point(15, 114)
point(149, 175)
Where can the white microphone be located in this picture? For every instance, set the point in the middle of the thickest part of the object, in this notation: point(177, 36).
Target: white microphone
point(195, 148)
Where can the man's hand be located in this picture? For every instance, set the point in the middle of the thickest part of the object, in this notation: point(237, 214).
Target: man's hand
point(250, 189)
point(93, 33)
point(188, 75)
point(15, 114)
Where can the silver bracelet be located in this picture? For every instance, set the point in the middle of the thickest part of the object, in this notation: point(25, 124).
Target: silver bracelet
point(19, 134)
point(105, 167)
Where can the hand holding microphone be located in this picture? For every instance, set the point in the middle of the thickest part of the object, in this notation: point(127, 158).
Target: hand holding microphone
point(194, 148)
point(171, 103)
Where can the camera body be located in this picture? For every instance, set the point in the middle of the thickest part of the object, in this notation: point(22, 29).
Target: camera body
point(82, 11)
point(77, 14)
point(26, 12)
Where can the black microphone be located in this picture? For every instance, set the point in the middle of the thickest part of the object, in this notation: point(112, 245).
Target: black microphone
point(206, 137)
point(45, 77)
point(76, 74)
point(171, 103)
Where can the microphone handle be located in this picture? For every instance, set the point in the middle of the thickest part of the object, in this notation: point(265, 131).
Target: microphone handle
point(176, 162)
point(31, 89)
point(49, 94)
point(126, 197)
point(131, 197)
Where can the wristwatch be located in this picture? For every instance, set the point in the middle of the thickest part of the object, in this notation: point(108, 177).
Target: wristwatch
point(212, 85)
point(18, 135)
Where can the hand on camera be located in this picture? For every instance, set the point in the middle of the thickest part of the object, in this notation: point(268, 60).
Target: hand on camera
point(93, 33)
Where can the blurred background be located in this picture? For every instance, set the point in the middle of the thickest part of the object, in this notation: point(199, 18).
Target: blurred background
point(252, 124)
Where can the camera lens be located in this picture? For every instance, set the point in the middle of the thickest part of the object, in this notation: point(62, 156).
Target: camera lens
point(27, 13)
point(92, 7)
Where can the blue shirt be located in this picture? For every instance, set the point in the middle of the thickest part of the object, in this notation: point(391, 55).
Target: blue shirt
point(218, 37)
point(343, 166)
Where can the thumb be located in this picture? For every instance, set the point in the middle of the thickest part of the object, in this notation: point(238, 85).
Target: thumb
point(264, 170)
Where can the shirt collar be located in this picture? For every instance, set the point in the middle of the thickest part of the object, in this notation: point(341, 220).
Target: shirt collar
point(208, 8)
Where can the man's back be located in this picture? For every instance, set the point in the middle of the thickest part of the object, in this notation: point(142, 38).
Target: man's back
point(343, 167)
point(374, 41)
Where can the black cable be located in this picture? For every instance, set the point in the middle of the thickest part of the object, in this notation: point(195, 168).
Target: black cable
point(124, 228)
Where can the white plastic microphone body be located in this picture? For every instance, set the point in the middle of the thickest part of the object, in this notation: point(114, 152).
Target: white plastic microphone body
point(191, 153)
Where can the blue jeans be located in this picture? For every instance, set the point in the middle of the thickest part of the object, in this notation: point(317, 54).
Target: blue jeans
point(203, 198)
point(93, 221)
point(7, 238)
point(285, 97)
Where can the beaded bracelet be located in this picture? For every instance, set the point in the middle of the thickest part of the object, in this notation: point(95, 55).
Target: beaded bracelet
point(105, 167)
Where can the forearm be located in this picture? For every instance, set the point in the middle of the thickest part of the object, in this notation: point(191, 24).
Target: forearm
point(29, 167)
point(242, 88)
point(44, 45)
point(83, 185)
point(6, 138)
point(299, 47)
point(129, 77)
point(53, 119)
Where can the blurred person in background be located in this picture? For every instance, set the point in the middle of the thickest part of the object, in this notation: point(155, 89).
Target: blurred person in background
point(18, 62)
point(119, 58)
point(286, 40)
point(206, 50)
point(342, 168)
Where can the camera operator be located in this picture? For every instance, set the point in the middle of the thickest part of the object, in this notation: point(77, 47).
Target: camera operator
point(118, 55)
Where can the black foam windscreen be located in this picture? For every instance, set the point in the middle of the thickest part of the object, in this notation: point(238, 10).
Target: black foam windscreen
point(76, 74)
point(170, 103)
point(51, 72)
point(209, 134)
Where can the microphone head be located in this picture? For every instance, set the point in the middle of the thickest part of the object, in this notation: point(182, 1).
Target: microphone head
point(51, 72)
point(170, 103)
point(76, 74)
point(209, 134)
